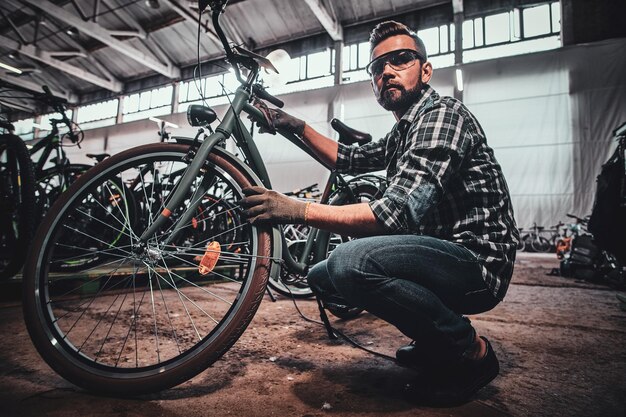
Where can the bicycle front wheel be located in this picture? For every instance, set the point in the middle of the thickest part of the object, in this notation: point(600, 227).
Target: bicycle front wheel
point(143, 318)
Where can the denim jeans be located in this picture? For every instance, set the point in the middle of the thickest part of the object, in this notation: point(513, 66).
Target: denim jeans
point(420, 284)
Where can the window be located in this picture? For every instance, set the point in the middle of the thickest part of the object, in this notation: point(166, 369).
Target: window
point(520, 30)
point(24, 128)
point(97, 115)
point(142, 105)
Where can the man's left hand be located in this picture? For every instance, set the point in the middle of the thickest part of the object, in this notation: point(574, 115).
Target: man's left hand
point(268, 206)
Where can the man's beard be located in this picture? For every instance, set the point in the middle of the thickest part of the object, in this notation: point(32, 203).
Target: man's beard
point(389, 100)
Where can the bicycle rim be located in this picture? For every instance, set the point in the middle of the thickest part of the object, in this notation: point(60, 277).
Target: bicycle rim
point(134, 322)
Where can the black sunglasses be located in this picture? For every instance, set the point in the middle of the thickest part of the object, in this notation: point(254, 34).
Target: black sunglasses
point(398, 60)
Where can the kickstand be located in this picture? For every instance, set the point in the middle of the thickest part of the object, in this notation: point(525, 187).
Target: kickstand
point(269, 292)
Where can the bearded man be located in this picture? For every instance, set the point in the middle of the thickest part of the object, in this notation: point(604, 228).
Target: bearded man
point(440, 242)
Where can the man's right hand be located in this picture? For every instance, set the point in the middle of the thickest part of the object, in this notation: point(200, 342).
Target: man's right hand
point(278, 119)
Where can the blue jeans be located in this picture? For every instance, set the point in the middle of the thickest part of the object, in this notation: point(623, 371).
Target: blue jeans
point(420, 284)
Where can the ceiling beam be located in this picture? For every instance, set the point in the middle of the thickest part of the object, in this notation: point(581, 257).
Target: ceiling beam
point(126, 17)
point(45, 57)
point(36, 88)
point(103, 35)
point(330, 23)
point(190, 16)
point(103, 70)
point(15, 106)
point(127, 33)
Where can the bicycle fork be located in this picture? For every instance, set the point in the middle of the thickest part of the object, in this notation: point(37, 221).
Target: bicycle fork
point(179, 194)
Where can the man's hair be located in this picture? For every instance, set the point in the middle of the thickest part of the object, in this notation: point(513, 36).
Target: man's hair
point(391, 28)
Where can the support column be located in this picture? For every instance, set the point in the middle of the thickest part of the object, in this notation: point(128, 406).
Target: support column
point(338, 62)
point(457, 9)
point(175, 96)
point(120, 110)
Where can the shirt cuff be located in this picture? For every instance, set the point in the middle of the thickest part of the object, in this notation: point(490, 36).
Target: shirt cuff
point(389, 210)
point(344, 155)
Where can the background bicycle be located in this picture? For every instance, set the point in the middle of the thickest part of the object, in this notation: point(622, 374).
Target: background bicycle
point(52, 174)
point(17, 201)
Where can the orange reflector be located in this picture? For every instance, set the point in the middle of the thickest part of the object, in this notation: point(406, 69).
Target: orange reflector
point(166, 212)
point(194, 222)
point(114, 199)
point(211, 255)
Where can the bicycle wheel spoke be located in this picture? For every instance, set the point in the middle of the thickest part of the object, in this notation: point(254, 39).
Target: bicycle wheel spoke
point(213, 272)
point(169, 317)
point(156, 327)
point(89, 252)
point(92, 237)
point(180, 297)
point(193, 284)
point(125, 215)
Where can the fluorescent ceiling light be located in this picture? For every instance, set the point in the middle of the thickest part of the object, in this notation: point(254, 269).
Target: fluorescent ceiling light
point(459, 79)
point(10, 68)
point(168, 124)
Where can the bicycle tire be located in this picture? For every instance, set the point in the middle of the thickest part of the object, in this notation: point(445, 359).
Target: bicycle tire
point(524, 244)
point(295, 285)
point(186, 326)
point(17, 204)
point(540, 244)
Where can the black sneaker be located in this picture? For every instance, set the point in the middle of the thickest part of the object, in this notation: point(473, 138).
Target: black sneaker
point(457, 384)
point(412, 357)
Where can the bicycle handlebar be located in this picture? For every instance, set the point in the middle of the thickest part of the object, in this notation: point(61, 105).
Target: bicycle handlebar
point(577, 218)
point(58, 104)
point(264, 95)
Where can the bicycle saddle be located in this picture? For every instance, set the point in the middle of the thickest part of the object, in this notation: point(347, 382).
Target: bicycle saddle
point(99, 157)
point(348, 136)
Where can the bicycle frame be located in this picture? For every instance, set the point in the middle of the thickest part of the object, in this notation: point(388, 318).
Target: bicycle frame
point(51, 142)
point(232, 125)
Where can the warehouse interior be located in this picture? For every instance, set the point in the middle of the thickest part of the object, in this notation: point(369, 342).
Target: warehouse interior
point(545, 79)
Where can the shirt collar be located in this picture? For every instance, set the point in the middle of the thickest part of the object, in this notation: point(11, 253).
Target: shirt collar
point(411, 113)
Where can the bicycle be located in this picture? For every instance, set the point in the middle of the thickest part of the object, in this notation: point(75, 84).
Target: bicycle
point(564, 243)
point(535, 241)
point(52, 180)
point(132, 323)
point(17, 202)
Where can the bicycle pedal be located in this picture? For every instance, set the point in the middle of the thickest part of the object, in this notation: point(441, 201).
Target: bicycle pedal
point(210, 258)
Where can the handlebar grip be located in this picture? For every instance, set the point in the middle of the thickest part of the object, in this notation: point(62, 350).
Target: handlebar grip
point(256, 114)
point(264, 95)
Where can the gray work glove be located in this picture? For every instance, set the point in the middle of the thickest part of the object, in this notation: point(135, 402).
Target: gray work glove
point(268, 206)
point(278, 119)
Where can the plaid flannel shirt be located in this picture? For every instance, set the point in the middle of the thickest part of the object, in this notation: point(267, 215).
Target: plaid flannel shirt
point(444, 181)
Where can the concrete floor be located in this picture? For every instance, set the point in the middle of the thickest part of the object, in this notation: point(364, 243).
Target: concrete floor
point(561, 345)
